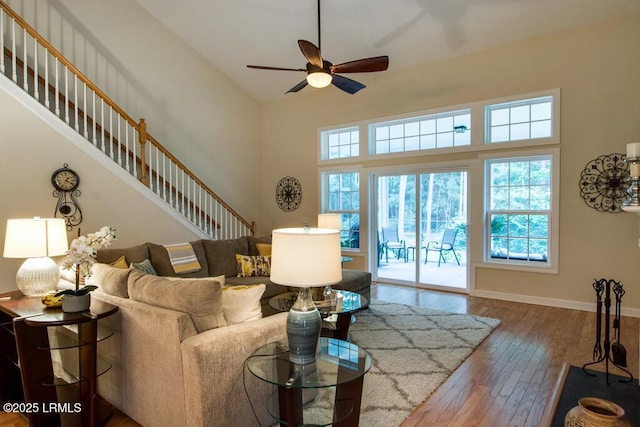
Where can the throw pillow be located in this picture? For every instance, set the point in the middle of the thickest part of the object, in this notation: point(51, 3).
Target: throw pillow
point(241, 303)
point(110, 280)
point(249, 266)
point(120, 263)
point(201, 298)
point(264, 249)
point(144, 266)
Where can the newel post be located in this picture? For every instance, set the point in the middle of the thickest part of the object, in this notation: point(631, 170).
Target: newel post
point(142, 138)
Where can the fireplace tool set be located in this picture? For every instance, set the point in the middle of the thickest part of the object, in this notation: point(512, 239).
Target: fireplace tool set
point(605, 350)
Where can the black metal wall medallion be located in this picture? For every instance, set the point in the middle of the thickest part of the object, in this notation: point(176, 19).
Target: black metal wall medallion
point(604, 183)
point(288, 194)
point(65, 183)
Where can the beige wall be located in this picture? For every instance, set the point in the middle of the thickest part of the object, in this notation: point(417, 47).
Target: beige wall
point(206, 120)
point(596, 69)
point(190, 107)
point(215, 128)
point(33, 149)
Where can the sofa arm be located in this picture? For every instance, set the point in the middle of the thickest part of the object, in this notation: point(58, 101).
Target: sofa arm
point(146, 357)
point(213, 364)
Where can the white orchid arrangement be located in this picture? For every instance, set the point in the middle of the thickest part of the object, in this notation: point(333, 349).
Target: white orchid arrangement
point(82, 255)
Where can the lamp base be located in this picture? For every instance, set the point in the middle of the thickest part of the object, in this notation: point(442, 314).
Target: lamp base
point(37, 276)
point(303, 329)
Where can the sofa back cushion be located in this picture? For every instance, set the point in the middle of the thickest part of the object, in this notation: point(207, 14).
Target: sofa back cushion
point(200, 298)
point(133, 254)
point(221, 255)
point(109, 279)
point(159, 258)
point(253, 242)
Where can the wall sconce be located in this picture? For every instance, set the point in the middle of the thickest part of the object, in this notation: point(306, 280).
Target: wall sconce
point(632, 204)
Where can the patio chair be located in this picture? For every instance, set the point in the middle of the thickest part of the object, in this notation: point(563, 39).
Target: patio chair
point(392, 242)
point(444, 245)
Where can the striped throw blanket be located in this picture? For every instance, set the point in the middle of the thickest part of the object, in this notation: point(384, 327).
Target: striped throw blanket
point(183, 258)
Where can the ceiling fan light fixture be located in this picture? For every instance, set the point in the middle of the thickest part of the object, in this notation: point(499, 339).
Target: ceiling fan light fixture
point(319, 79)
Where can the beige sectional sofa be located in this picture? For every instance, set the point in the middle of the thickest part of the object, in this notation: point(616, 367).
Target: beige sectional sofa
point(175, 361)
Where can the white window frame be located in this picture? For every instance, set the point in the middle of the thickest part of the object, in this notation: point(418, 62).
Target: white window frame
point(437, 133)
point(325, 136)
point(551, 264)
point(325, 200)
point(511, 122)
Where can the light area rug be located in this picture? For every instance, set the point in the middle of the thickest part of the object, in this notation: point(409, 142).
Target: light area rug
point(413, 350)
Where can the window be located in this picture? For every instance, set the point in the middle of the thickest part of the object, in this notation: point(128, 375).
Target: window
point(519, 214)
point(340, 143)
point(343, 197)
point(519, 120)
point(441, 130)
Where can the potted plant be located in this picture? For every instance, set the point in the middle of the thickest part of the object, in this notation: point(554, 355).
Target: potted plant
point(81, 256)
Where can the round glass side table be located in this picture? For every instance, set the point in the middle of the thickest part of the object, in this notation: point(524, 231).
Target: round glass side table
point(325, 392)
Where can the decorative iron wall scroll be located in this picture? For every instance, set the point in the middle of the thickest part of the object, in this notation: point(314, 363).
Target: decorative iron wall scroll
point(604, 183)
point(288, 194)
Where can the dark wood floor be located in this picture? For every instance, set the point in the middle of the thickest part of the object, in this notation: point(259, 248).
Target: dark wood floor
point(509, 379)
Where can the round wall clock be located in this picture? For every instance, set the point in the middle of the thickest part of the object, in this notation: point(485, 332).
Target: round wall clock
point(604, 183)
point(65, 183)
point(288, 194)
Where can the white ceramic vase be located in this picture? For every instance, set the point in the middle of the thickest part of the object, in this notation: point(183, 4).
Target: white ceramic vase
point(75, 304)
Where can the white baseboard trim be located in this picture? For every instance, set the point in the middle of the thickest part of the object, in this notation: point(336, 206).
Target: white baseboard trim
point(551, 302)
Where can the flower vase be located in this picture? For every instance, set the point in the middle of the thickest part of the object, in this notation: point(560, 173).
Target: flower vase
point(596, 412)
point(76, 303)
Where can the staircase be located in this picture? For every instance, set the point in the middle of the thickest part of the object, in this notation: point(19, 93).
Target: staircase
point(33, 64)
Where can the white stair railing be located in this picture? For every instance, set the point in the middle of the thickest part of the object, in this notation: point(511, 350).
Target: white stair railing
point(39, 69)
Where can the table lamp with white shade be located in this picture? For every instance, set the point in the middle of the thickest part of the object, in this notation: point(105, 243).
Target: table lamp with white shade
point(332, 221)
point(305, 258)
point(36, 239)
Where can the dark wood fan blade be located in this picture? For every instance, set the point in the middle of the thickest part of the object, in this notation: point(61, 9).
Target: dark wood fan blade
point(299, 86)
point(367, 65)
point(346, 84)
point(311, 52)
point(263, 67)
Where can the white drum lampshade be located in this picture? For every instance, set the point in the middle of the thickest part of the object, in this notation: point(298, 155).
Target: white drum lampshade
point(332, 221)
point(36, 239)
point(305, 258)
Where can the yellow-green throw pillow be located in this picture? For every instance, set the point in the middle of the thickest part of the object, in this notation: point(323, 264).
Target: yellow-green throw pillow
point(249, 266)
point(241, 303)
point(120, 263)
point(264, 249)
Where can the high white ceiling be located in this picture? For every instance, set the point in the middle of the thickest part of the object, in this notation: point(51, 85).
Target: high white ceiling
point(234, 33)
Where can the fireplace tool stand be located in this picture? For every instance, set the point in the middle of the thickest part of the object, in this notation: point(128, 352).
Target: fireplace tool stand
point(602, 353)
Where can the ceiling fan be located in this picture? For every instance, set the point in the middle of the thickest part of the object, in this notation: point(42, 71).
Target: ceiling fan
point(322, 73)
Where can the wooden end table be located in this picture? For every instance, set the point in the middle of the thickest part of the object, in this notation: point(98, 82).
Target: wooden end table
point(28, 320)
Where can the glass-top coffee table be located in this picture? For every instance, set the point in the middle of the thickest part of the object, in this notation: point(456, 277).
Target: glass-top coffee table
point(336, 314)
point(336, 376)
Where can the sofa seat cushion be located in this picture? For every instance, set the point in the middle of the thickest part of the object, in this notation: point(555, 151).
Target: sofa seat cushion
point(162, 264)
point(200, 298)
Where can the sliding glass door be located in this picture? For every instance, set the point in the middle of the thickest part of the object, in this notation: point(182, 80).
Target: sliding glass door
point(421, 229)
